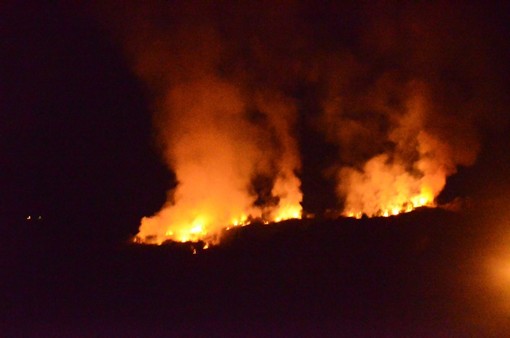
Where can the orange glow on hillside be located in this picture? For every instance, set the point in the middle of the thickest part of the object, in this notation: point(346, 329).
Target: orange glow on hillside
point(396, 206)
point(205, 226)
point(216, 152)
point(395, 182)
point(288, 212)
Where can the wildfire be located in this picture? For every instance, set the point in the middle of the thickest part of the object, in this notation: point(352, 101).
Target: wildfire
point(288, 212)
point(393, 183)
point(199, 228)
point(222, 128)
point(393, 207)
point(243, 220)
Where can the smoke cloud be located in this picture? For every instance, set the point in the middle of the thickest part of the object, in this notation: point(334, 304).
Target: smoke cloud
point(227, 135)
point(403, 112)
point(401, 90)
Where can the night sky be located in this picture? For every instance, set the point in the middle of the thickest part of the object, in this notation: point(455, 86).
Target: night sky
point(77, 142)
point(80, 115)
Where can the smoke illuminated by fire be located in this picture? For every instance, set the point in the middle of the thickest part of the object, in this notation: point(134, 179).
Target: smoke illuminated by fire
point(387, 186)
point(211, 148)
point(395, 93)
point(222, 134)
point(382, 189)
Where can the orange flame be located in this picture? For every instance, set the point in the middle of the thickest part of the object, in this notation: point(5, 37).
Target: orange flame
point(210, 144)
point(425, 198)
point(203, 227)
point(390, 184)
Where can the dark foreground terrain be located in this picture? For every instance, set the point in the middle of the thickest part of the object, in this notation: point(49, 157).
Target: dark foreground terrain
point(431, 273)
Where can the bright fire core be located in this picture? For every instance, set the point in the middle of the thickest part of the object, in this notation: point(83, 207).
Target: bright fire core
point(204, 227)
point(393, 208)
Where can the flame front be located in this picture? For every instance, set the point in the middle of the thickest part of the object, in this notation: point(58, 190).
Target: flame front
point(166, 226)
point(390, 184)
point(216, 152)
point(395, 206)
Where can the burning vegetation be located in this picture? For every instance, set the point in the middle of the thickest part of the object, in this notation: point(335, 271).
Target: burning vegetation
point(234, 85)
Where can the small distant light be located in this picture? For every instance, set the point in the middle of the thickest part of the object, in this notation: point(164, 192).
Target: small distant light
point(39, 218)
point(29, 218)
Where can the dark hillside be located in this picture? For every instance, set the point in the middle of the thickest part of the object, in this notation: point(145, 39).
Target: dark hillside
point(419, 274)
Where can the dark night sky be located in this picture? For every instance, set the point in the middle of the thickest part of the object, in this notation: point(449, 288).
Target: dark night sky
point(76, 131)
point(76, 137)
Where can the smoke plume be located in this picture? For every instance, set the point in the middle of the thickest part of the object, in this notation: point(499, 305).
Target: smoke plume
point(228, 137)
point(410, 119)
point(398, 88)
